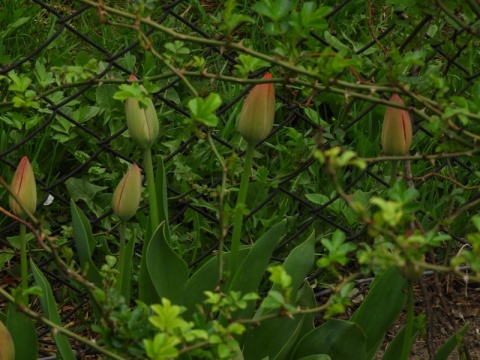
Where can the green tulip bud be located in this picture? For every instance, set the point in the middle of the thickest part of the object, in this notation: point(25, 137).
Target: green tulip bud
point(128, 194)
point(396, 129)
point(142, 123)
point(7, 348)
point(258, 112)
point(24, 187)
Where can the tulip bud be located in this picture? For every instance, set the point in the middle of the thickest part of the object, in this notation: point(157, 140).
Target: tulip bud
point(396, 129)
point(256, 118)
point(7, 348)
point(128, 193)
point(142, 123)
point(23, 186)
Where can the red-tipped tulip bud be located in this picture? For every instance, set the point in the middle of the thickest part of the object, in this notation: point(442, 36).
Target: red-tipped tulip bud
point(142, 123)
point(128, 193)
point(256, 118)
point(396, 129)
point(7, 349)
point(23, 186)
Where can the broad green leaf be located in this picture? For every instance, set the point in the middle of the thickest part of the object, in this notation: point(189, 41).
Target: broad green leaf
point(444, 352)
point(306, 300)
point(336, 338)
point(317, 357)
point(145, 281)
point(50, 312)
point(205, 279)
point(23, 333)
point(83, 190)
point(394, 349)
point(273, 338)
point(252, 269)
point(298, 265)
point(126, 279)
point(167, 270)
point(374, 316)
point(84, 243)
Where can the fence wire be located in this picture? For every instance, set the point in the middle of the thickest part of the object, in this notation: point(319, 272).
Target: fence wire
point(64, 22)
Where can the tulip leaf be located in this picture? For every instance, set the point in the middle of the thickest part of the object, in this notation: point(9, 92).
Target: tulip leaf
point(50, 312)
point(23, 333)
point(84, 243)
point(444, 352)
point(168, 272)
point(205, 279)
point(274, 338)
point(126, 278)
point(331, 338)
point(252, 269)
point(298, 265)
point(145, 282)
point(373, 317)
point(396, 345)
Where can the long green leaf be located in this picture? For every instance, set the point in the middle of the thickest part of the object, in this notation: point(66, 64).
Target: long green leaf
point(84, 243)
point(336, 338)
point(145, 283)
point(444, 352)
point(396, 345)
point(298, 265)
point(126, 280)
point(382, 305)
point(167, 270)
point(50, 312)
point(252, 269)
point(316, 357)
point(274, 338)
point(23, 333)
point(205, 279)
point(305, 300)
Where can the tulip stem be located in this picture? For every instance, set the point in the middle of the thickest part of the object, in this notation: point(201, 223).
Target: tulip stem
point(152, 193)
point(23, 261)
point(409, 325)
point(121, 258)
point(393, 176)
point(239, 208)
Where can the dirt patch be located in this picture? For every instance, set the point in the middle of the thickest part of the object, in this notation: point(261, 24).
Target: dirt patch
point(448, 309)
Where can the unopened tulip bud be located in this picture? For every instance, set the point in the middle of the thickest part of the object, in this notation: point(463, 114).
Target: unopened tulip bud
point(396, 129)
point(7, 348)
point(128, 193)
point(23, 186)
point(142, 123)
point(256, 118)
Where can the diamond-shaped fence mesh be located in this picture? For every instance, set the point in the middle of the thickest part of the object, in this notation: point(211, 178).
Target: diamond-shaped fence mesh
point(78, 140)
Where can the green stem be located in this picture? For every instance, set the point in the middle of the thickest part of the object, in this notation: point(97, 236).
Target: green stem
point(121, 258)
point(238, 222)
point(221, 212)
point(152, 193)
point(23, 261)
point(409, 326)
point(393, 176)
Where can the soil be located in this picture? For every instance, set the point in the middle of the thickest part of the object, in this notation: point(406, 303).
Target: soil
point(452, 305)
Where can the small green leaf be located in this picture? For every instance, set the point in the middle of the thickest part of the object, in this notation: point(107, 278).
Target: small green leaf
point(203, 110)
